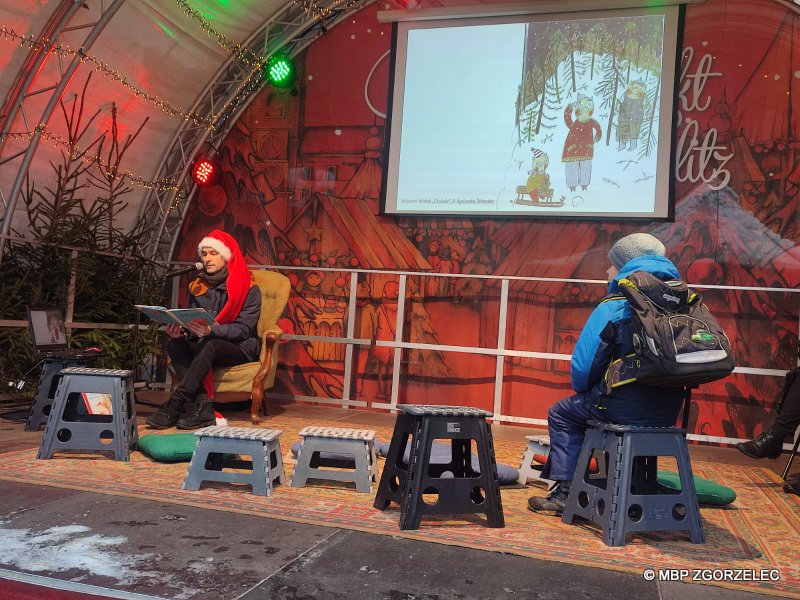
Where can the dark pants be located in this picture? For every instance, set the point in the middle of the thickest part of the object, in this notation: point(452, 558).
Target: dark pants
point(192, 362)
point(788, 418)
point(567, 422)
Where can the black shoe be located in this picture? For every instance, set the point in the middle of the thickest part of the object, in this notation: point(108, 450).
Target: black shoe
point(768, 445)
point(167, 415)
point(792, 487)
point(550, 505)
point(188, 408)
point(201, 416)
point(555, 502)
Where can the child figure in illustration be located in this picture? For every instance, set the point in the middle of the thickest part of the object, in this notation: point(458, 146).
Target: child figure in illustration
point(630, 116)
point(578, 153)
point(538, 185)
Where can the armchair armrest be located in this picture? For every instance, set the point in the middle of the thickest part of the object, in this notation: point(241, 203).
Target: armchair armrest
point(268, 359)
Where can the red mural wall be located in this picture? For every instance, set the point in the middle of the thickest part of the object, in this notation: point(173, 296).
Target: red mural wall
point(301, 185)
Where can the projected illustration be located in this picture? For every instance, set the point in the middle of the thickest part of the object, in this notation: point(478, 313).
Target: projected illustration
point(600, 80)
point(552, 117)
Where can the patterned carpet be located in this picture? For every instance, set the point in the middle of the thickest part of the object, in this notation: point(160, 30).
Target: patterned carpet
point(761, 530)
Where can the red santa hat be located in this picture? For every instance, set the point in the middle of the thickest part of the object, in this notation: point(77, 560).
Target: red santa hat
point(212, 240)
point(238, 281)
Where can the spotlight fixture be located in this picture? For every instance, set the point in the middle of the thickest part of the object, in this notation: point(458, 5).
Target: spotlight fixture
point(204, 170)
point(280, 71)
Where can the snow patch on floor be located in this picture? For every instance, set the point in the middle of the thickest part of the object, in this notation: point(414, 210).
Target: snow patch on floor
point(59, 549)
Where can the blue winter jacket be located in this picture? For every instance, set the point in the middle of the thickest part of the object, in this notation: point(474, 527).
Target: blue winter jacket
point(607, 336)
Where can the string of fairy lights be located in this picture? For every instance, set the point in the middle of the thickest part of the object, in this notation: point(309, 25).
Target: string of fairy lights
point(321, 12)
point(215, 122)
point(75, 152)
point(102, 67)
point(242, 52)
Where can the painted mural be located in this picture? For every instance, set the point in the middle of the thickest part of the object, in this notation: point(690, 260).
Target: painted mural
point(301, 185)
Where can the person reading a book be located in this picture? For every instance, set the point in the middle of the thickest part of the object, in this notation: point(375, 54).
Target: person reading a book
point(224, 289)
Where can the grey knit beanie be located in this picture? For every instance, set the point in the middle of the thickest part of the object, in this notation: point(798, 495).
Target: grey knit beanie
point(633, 246)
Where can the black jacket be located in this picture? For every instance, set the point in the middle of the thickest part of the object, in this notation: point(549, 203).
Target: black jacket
point(242, 331)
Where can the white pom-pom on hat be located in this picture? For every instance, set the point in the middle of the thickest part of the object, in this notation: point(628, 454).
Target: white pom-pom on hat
point(216, 244)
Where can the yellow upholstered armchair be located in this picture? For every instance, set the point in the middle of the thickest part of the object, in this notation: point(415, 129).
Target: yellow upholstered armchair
point(255, 377)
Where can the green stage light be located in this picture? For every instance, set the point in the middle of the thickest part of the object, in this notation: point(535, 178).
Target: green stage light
point(280, 71)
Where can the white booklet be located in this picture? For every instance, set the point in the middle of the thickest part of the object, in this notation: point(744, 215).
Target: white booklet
point(181, 316)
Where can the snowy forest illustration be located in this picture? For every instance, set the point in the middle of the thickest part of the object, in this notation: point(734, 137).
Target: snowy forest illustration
point(587, 113)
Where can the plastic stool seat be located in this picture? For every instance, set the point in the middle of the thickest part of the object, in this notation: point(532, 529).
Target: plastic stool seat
point(460, 489)
point(628, 498)
point(435, 410)
point(117, 431)
point(216, 443)
point(358, 443)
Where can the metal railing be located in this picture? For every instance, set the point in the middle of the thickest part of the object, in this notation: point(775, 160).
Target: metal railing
point(348, 342)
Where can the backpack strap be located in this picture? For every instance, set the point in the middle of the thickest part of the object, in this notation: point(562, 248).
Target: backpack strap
point(614, 296)
point(620, 371)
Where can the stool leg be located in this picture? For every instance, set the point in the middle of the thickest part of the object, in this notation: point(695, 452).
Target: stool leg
point(277, 465)
point(394, 466)
point(412, 505)
point(614, 534)
point(580, 485)
point(302, 466)
point(696, 533)
point(130, 404)
point(42, 402)
point(194, 474)
point(51, 429)
point(122, 450)
point(494, 503)
point(525, 468)
point(373, 462)
point(362, 475)
point(261, 484)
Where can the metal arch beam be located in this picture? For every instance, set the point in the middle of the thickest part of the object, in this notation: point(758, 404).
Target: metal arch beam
point(55, 95)
point(242, 101)
point(37, 56)
point(229, 92)
point(228, 86)
point(229, 79)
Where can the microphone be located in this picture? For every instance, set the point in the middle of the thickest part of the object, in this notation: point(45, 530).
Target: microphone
point(198, 266)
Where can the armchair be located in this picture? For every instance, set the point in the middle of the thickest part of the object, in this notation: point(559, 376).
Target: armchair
point(255, 377)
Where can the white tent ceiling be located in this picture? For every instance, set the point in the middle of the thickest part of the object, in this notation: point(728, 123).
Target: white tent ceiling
point(152, 60)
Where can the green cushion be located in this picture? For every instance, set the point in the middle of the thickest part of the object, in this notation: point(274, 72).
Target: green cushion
point(708, 492)
point(168, 447)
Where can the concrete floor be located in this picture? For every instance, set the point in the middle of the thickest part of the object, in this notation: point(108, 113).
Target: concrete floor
point(130, 548)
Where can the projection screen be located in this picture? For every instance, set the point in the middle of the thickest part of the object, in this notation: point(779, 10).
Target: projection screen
point(565, 115)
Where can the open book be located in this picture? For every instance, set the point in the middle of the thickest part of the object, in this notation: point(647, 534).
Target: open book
point(97, 404)
point(181, 316)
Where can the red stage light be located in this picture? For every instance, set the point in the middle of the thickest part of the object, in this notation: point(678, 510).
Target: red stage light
point(204, 170)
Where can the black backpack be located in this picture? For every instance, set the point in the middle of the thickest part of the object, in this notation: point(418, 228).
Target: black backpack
point(676, 340)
